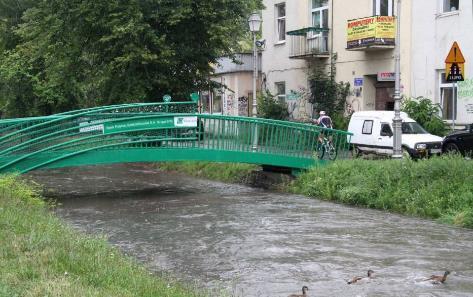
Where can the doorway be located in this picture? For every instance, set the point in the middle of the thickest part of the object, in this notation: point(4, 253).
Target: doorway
point(384, 96)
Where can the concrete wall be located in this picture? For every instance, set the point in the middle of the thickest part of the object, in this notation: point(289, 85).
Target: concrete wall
point(433, 33)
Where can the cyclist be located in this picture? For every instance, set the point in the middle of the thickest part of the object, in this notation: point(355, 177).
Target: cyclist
point(324, 120)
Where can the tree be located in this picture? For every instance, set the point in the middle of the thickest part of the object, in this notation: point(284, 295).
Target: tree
point(326, 93)
point(426, 113)
point(82, 53)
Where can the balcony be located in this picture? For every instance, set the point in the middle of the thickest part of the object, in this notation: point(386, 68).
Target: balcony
point(371, 33)
point(309, 42)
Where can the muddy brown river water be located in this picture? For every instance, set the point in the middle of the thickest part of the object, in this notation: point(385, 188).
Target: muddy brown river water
point(251, 242)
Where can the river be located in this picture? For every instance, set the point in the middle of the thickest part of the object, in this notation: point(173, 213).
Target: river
point(250, 242)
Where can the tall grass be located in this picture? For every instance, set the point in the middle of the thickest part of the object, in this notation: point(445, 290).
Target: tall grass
point(438, 188)
point(40, 256)
point(226, 172)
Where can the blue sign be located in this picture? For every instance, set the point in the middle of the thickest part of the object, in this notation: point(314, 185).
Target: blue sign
point(358, 82)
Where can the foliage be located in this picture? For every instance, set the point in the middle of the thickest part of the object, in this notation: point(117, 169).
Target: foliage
point(226, 172)
point(341, 121)
point(426, 113)
point(40, 256)
point(326, 93)
point(59, 55)
point(271, 108)
point(438, 188)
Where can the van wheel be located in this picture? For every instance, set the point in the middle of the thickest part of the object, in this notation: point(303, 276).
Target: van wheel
point(405, 154)
point(355, 152)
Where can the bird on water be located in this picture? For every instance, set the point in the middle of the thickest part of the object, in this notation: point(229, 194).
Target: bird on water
point(438, 279)
point(357, 278)
point(304, 293)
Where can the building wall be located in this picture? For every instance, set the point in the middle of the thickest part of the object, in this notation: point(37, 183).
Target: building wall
point(277, 66)
point(367, 64)
point(433, 35)
point(238, 85)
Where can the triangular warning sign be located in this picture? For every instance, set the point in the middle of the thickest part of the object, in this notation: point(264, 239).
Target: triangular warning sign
point(455, 55)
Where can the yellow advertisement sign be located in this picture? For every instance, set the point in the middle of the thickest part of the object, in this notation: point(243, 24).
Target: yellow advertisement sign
point(369, 31)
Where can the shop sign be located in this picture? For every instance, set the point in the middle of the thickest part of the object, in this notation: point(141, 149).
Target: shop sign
point(386, 76)
point(371, 31)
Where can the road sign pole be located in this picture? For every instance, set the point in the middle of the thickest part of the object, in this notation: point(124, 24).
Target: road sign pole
point(454, 104)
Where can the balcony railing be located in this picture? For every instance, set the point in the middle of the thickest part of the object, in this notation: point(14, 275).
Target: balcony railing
point(309, 42)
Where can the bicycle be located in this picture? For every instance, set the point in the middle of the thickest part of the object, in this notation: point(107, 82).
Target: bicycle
point(325, 145)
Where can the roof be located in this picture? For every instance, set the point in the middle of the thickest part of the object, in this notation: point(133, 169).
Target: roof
point(380, 114)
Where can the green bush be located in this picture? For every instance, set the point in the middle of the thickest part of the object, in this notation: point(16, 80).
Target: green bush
point(426, 113)
point(271, 108)
point(437, 188)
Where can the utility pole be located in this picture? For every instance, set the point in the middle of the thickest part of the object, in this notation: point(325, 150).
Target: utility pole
point(397, 121)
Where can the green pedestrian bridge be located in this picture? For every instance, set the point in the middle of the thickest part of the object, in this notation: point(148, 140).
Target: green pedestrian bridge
point(159, 132)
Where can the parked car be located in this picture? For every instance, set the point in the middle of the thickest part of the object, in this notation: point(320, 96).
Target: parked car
point(459, 142)
point(373, 133)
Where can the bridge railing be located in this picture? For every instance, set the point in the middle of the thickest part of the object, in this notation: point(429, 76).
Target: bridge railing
point(147, 127)
point(30, 134)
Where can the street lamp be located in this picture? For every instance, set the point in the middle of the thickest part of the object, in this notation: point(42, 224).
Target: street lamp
point(254, 21)
point(397, 121)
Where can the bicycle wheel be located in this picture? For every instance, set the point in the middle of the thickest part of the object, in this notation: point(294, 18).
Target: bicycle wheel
point(320, 151)
point(331, 152)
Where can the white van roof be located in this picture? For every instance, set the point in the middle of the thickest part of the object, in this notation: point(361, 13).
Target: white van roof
point(383, 116)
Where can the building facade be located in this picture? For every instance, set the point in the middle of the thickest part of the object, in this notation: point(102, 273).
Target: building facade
point(233, 93)
point(304, 34)
point(436, 25)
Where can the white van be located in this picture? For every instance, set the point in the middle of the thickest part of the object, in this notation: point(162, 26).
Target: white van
point(373, 133)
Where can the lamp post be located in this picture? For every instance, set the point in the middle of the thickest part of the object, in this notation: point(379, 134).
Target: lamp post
point(254, 22)
point(397, 121)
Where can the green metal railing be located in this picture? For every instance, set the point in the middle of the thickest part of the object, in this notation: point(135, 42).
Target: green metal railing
point(158, 132)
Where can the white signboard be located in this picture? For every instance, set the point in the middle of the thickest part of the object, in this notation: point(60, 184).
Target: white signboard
point(186, 122)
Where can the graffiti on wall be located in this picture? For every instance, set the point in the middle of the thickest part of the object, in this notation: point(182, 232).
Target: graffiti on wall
point(243, 106)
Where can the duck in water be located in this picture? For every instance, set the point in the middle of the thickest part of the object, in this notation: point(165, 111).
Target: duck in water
point(357, 278)
point(438, 279)
point(304, 292)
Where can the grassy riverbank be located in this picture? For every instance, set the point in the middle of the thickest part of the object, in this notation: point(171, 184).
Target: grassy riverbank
point(225, 172)
point(437, 188)
point(40, 256)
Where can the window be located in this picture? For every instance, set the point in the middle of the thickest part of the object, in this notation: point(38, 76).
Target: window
point(383, 7)
point(447, 102)
point(281, 21)
point(319, 14)
point(386, 130)
point(450, 5)
point(281, 91)
point(367, 127)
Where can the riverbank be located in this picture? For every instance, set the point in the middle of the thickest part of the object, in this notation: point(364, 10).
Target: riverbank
point(41, 256)
point(436, 188)
point(246, 174)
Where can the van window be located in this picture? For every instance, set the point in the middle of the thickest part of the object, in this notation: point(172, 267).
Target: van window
point(367, 127)
point(386, 130)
